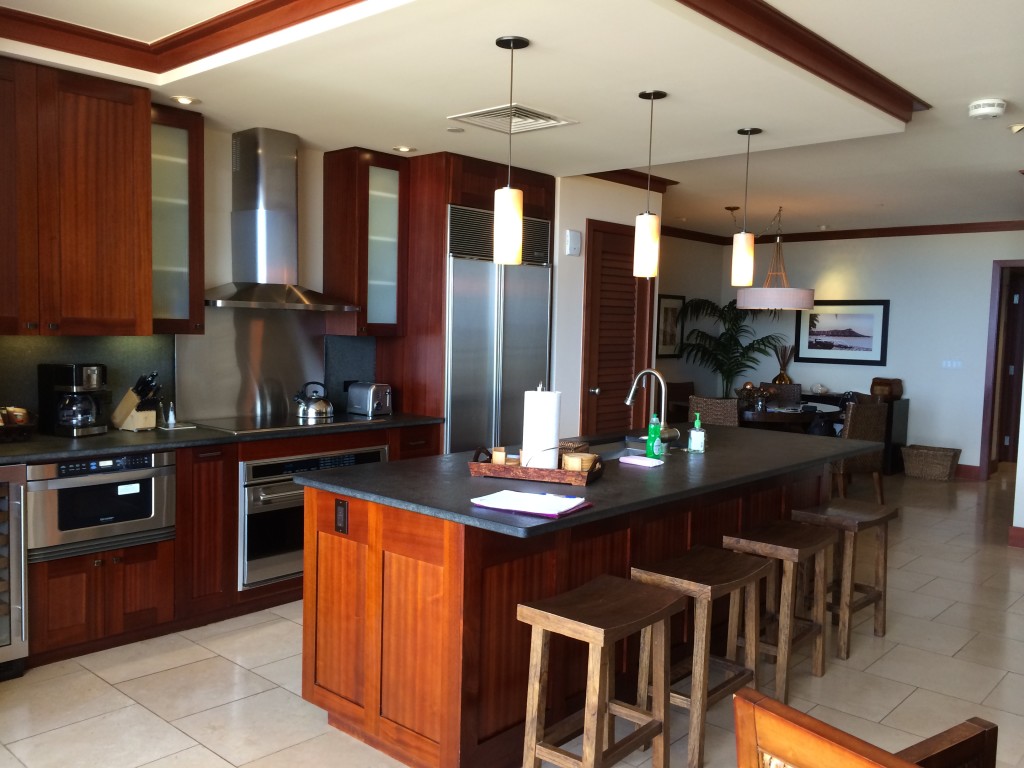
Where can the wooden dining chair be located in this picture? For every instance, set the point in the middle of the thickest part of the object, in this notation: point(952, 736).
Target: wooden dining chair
point(715, 410)
point(863, 421)
point(770, 734)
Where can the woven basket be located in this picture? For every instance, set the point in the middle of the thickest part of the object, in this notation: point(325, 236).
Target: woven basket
point(930, 463)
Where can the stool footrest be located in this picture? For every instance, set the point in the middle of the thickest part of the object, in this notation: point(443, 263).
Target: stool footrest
point(737, 676)
point(802, 629)
point(549, 749)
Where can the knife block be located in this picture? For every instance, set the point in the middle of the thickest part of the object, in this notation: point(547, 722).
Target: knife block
point(127, 418)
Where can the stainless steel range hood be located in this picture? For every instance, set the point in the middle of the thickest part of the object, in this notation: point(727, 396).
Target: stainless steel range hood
point(264, 228)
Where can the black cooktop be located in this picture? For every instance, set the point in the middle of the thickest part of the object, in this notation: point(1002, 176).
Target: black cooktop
point(242, 425)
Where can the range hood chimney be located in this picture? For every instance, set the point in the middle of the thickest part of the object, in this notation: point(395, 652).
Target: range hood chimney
point(264, 228)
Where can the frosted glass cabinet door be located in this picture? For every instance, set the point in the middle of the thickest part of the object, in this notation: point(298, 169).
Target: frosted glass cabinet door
point(382, 247)
point(177, 221)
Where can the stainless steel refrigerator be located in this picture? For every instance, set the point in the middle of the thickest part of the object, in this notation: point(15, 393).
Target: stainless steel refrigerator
point(498, 331)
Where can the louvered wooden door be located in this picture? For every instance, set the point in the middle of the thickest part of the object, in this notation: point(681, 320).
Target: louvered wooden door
point(616, 331)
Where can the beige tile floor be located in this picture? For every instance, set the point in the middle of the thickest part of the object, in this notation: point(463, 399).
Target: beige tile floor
point(227, 694)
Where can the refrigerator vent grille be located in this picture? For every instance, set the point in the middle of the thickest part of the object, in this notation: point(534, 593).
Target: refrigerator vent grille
point(471, 235)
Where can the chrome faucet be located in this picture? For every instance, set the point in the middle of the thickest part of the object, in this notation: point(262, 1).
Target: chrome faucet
point(668, 434)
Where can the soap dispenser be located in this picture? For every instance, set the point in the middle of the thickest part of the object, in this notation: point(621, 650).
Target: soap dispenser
point(695, 442)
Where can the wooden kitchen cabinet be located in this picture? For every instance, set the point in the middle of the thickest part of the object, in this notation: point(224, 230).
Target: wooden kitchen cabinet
point(366, 203)
point(85, 598)
point(178, 216)
point(206, 555)
point(75, 192)
point(414, 442)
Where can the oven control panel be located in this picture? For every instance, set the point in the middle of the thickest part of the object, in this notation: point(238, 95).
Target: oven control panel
point(105, 465)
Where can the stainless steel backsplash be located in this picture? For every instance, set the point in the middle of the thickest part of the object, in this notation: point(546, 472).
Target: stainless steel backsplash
point(249, 361)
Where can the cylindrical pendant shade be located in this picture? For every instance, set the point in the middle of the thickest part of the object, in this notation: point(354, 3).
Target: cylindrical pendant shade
point(646, 244)
point(775, 298)
point(743, 259)
point(508, 226)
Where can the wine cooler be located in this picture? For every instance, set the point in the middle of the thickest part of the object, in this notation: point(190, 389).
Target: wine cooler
point(13, 592)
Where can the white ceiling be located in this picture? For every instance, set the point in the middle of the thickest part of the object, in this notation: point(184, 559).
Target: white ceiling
point(829, 159)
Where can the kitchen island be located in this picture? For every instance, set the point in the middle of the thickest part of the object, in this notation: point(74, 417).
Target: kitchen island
point(411, 641)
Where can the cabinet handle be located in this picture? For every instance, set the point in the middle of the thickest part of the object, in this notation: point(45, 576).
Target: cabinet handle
point(97, 563)
point(415, 443)
point(117, 560)
point(31, 325)
point(53, 326)
point(210, 454)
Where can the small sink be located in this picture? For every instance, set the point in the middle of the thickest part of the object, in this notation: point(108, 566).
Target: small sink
point(616, 449)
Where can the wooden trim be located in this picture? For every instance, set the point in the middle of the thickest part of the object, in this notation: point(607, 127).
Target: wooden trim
point(631, 178)
point(1016, 536)
point(970, 227)
point(971, 472)
point(772, 30)
point(973, 227)
point(248, 22)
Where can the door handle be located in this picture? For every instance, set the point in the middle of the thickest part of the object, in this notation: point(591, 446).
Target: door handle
point(594, 390)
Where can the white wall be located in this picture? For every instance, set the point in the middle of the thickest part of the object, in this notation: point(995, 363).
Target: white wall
point(581, 198)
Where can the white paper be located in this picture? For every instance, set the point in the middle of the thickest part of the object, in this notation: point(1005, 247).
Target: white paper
point(548, 504)
point(540, 429)
point(641, 461)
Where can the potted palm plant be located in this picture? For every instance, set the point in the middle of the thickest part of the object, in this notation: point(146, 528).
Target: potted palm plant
point(733, 348)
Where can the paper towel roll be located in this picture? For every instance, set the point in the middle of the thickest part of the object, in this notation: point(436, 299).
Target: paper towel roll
point(540, 429)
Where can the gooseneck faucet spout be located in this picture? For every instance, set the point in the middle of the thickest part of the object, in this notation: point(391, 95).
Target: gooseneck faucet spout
point(668, 434)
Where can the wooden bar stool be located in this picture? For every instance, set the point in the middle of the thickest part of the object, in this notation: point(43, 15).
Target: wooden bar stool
point(600, 613)
point(852, 517)
point(791, 543)
point(704, 574)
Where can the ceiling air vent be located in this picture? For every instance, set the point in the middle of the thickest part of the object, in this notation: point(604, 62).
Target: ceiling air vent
point(523, 119)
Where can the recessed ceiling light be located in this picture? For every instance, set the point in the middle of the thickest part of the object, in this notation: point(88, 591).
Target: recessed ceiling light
point(456, 129)
point(403, 148)
point(185, 100)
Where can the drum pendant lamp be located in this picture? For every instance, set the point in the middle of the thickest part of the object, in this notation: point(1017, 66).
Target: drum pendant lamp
point(508, 202)
point(647, 236)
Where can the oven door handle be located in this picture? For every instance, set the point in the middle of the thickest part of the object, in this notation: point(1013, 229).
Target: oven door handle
point(262, 497)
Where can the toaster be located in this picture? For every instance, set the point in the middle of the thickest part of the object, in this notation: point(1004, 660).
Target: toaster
point(369, 398)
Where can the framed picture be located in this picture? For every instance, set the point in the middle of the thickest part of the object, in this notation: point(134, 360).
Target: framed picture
point(670, 325)
point(847, 332)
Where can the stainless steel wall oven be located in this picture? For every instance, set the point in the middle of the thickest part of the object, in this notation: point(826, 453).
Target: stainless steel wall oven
point(270, 526)
point(93, 503)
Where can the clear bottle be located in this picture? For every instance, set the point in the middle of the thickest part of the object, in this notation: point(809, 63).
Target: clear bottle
point(654, 447)
point(695, 440)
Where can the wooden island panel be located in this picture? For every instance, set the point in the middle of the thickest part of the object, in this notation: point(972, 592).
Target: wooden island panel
point(411, 637)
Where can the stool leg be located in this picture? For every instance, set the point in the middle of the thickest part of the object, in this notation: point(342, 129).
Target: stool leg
point(849, 563)
point(821, 558)
point(536, 696)
point(751, 628)
point(594, 724)
point(643, 679)
point(660, 695)
point(879, 493)
point(787, 607)
point(699, 682)
point(732, 638)
point(881, 564)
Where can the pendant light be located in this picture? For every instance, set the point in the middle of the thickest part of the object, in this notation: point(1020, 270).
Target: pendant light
point(776, 293)
point(647, 237)
point(743, 241)
point(508, 202)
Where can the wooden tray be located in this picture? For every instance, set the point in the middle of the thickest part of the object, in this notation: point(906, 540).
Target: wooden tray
point(486, 469)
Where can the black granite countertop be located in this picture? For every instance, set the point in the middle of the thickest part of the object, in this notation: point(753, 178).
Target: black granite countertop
point(441, 486)
point(41, 449)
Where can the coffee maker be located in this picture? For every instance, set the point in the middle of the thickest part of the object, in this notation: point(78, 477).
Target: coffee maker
point(74, 399)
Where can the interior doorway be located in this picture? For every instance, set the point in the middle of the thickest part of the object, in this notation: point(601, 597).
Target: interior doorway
point(617, 311)
point(1001, 422)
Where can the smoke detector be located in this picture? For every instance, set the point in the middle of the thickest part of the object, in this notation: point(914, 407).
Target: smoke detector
point(986, 108)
